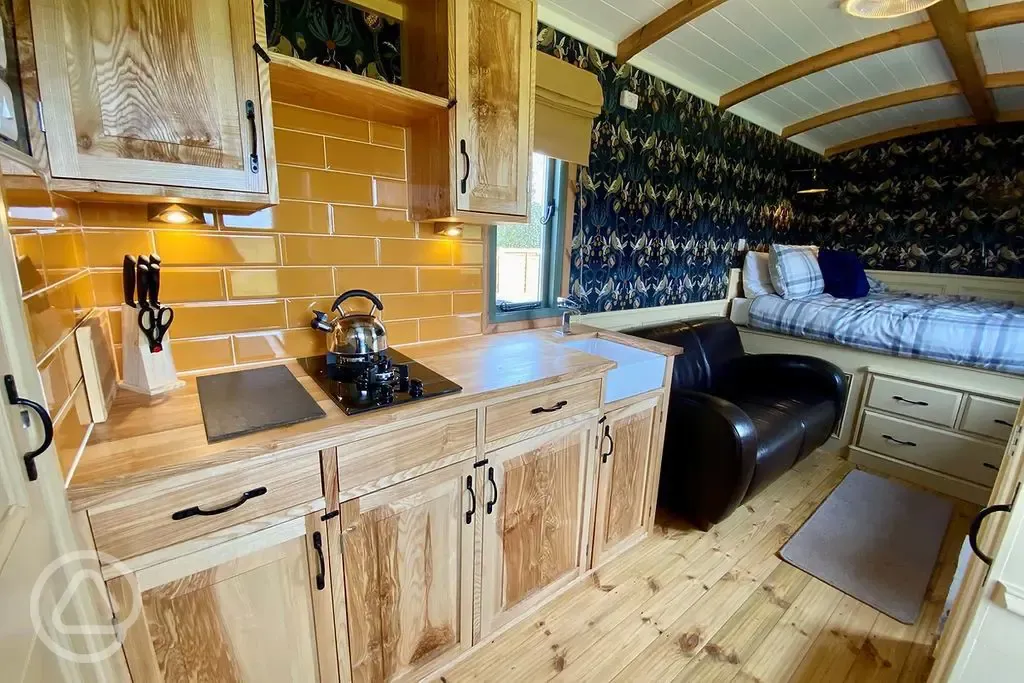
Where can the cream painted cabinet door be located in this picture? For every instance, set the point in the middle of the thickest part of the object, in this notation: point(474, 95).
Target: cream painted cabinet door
point(494, 57)
point(623, 477)
point(257, 608)
point(407, 552)
point(536, 502)
point(165, 92)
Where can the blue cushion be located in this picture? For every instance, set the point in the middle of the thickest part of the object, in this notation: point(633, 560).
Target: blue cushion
point(843, 274)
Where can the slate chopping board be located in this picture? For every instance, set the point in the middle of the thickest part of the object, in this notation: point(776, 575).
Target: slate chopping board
point(247, 401)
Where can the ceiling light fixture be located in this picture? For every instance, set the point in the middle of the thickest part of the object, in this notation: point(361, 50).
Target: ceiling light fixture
point(448, 230)
point(178, 214)
point(884, 9)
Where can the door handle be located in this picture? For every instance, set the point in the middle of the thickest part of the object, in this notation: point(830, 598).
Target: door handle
point(15, 400)
point(254, 156)
point(494, 487)
point(465, 174)
point(611, 444)
point(972, 534)
point(472, 499)
point(321, 573)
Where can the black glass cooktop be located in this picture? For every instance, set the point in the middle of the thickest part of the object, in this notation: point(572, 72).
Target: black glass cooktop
point(389, 380)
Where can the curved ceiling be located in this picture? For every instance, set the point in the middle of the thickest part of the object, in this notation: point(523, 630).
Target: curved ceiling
point(807, 70)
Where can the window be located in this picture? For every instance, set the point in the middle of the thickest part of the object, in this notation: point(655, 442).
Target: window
point(526, 261)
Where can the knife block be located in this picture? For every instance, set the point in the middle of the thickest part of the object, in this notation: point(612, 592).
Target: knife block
point(143, 371)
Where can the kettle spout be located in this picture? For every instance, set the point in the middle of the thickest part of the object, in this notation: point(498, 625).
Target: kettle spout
point(319, 322)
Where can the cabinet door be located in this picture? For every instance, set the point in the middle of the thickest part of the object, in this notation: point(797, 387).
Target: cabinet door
point(494, 57)
point(257, 608)
point(536, 502)
point(408, 560)
point(622, 482)
point(152, 91)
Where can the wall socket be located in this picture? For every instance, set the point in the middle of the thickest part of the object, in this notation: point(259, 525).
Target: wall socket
point(741, 244)
point(629, 100)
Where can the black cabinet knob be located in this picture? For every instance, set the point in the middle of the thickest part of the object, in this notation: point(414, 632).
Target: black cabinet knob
point(415, 387)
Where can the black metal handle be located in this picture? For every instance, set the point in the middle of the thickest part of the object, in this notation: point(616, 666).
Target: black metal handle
point(321, 573)
point(261, 52)
point(1002, 422)
point(990, 466)
point(899, 441)
point(490, 480)
point(336, 306)
point(465, 156)
point(907, 400)
point(611, 444)
point(15, 400)
point(254, 157)
point(975, 529)
point(556, 407)
point(196, 511)
point(472, 499)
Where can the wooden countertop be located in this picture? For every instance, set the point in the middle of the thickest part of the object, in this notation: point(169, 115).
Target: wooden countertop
point(148, 438)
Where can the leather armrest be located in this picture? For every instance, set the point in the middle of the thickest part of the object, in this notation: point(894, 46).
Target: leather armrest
point(783, 369)
point(710, 453)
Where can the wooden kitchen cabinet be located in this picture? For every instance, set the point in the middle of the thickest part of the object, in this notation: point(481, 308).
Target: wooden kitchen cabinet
point(536, 504)
point(407, 553)
point(626, 455)
point(472, 163)
point(156, 97)
point(256, 608)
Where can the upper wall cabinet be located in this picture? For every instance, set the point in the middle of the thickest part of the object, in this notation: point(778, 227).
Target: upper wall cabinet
point(472, 162)
point(157, 97)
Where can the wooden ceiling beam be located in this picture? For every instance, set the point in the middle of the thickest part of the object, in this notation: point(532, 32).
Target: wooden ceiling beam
point(905, 131)
point(1006, 79)
point(908, 35)
point(662, 25)
point(949, 17)
point(994, 17)
point(928, 92)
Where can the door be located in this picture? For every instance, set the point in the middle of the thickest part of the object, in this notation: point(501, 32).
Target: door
point(408, 560)
point(257, 608)
point(37, 568)
point(536, 498)
point(991, 597)
point(165, 92)
point(625, 459)
point(494, 57)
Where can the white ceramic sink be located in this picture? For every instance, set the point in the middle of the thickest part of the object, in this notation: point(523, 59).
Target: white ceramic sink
point(638, 371)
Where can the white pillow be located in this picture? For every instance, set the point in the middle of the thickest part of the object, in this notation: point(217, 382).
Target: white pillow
point(757, 280)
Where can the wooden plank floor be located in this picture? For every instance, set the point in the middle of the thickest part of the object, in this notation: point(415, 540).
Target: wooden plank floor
point(684, 605)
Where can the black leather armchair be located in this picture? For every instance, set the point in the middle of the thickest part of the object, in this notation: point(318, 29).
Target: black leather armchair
point(737, 422)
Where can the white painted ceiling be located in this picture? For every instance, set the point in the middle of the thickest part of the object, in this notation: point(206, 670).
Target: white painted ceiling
point(742, 40)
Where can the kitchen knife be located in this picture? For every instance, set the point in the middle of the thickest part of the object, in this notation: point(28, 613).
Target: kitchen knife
point(128, 280)
point(142, 282)
point(154, 284)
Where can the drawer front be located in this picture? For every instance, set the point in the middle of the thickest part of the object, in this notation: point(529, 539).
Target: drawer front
point(371, 464)
point(537, 410)
point(183, 508)
point(932, 448)
point(918, 401)
point(988, 417)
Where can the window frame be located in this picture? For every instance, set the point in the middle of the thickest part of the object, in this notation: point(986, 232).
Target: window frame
point(551, 265)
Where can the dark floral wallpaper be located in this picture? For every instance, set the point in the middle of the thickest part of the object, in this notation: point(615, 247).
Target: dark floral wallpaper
point(670, 189)
point(334, 33)
point(944, 202)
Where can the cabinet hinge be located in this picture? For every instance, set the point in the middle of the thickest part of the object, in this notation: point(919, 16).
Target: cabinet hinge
point(39, 111)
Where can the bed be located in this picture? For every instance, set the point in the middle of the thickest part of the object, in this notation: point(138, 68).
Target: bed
point(960, 330)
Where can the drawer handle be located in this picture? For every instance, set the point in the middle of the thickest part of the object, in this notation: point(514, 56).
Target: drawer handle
point(990, 466)
point(895, 440)
point(197, 511)
point(972, 535)
point(321, 571)
point(490, 480)
point(472, 499)
point(556, 407)
point(909, 402)
point(1002, 422)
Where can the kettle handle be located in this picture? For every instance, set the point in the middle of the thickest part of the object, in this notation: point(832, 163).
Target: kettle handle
point(360, 293)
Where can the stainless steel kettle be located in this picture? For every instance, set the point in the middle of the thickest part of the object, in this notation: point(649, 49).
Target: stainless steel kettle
point(353, 334)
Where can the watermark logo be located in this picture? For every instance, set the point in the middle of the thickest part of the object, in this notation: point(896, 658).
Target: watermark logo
point(72, 574)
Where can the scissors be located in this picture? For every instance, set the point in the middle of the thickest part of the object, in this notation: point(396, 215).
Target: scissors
point(154, 319)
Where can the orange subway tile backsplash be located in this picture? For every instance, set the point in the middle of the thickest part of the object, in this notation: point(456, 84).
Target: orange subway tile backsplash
point(243, 287)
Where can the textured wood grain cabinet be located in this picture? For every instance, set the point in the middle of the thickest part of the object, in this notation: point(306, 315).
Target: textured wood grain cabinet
point(623, 482)
point(168, 94)
point(408, 564)
point(255, 609)
point(472, 163)
point(536, 513)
